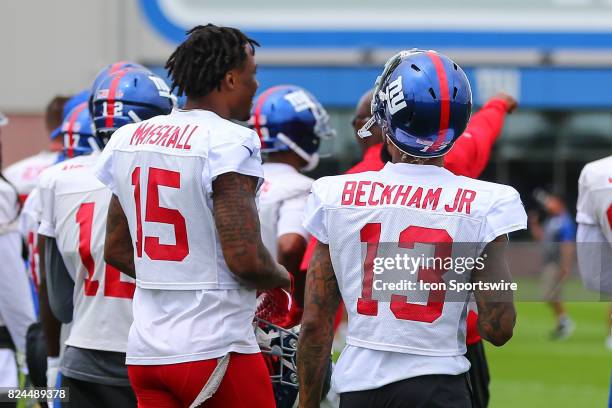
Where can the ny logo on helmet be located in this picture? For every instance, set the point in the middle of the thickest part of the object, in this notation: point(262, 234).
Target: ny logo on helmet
point(395, 96)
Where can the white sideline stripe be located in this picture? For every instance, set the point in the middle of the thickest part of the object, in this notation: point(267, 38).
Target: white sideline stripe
point(213, 382)
point(359, 17)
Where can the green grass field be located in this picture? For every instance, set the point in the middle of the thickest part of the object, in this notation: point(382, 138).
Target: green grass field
point(533, 371)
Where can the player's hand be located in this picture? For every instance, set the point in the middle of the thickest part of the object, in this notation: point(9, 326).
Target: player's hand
point(511, 103)
point(274, 305)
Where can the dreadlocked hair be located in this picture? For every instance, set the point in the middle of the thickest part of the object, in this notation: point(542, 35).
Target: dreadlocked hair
point(199, 64)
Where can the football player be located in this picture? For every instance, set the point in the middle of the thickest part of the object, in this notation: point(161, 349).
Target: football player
point(594, 236)
point(183, 221)
point(73, 223)
point(469, 157)
point(291, 124)
point(75, 132)
point(400, 353)
point(558, 237)
point(16, 307)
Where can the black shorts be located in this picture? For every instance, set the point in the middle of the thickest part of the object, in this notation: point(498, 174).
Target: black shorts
point(479, 374)
point(427, 391)
point(83, 394)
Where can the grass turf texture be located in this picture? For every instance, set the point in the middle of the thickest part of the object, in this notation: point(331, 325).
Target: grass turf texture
point(533, 371)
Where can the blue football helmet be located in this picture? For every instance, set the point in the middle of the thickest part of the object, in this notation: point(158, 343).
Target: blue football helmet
point(77, 131)
point(129, 96)
point(422, 102)
point(70, 104)
point(109, 70)
point(289, 118)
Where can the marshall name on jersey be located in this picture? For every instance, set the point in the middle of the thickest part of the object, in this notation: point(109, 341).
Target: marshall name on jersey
point(188, 306)
point(408, 205)
point(74, 207)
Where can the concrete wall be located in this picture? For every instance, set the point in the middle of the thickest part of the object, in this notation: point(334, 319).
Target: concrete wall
point(57, 47)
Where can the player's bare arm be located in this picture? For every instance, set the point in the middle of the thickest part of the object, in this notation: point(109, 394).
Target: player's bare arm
point(51, 326)
point(291, 248)
point(237, 222)
point(118, 247)
point(496, 313)
point(321, 301)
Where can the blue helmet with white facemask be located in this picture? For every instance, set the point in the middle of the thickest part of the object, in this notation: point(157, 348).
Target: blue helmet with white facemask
point(110, 70)
point(422, 101)
point(289, 118)
point(77, 133)
point(129, 96)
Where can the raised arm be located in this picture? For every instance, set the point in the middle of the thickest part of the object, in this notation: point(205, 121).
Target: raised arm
point(321, 301)
point(237, 223)
point(118, 247)
point(496, 313)
point(470, 154)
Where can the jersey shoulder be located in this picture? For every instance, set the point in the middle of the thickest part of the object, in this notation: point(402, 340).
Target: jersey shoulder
point(597, 174)
point(72, 175)
point(25, 173)
point(223, 131)
point(41, 159)
point(283, 186)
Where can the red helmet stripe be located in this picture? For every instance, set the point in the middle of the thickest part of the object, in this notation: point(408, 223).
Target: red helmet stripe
point(258, 107)
point(116, 67)
point(70, 130)
point(444, 99)
point(110, 100)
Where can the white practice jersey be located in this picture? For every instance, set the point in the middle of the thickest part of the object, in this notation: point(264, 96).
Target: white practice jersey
point(405, 209)
point(9, 208)
point(29, 221)
point(16, 306)
point(594, 217)
point(75, 205)
point(188, 306)
point(25, 173)
point(281, 203)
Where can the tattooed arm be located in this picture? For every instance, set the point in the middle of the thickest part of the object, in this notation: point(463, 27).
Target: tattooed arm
point(496, 314)
point(321, 301)
point(118, 248)
point(237, 222)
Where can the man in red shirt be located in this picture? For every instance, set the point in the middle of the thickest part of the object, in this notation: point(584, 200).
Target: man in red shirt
point(468, 157)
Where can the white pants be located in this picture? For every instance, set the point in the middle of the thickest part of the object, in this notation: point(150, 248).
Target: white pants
point(16, 304)
point(8, 369)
